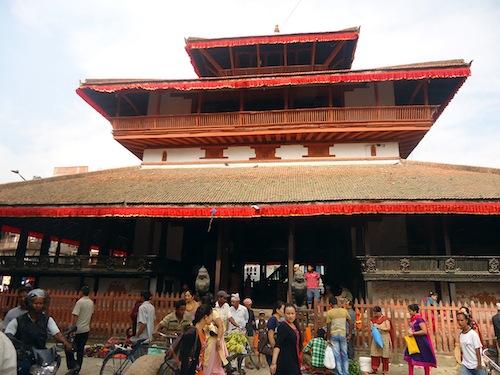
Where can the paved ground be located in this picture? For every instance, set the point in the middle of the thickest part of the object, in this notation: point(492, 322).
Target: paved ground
point(446, 366)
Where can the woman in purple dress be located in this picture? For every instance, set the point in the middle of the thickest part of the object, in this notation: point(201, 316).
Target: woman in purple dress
point(418, 329)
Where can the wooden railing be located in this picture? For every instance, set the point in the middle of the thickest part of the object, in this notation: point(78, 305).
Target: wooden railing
point(451, 268)
point(270, 70)
point(353, 116)
point(112, 317)
point(80, 263)
point(441, 322)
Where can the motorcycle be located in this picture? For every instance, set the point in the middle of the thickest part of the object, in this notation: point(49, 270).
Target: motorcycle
point(45, 361)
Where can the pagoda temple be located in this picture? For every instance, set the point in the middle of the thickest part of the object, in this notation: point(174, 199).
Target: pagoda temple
point(278, 153)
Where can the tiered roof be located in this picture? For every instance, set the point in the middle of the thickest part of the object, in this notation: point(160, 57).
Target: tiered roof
point(278, 190)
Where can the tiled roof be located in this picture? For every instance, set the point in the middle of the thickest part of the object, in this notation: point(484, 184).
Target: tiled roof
point(264, 184)
point(95, 83)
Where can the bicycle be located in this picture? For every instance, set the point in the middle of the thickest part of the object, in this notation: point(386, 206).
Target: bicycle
point(119, 359)
point(490, 363)
point(249, 351)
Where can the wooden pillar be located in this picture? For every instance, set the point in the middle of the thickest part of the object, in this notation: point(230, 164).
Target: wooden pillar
point(45, 246)
point(291, 257)
point(353, 242)
point(162, 250)
point(160, 282)
point(107, 237)
point(58, 250)
point(453, 292)
point(366, 239)
point(452, 289)
point(366, 243)
point(446, 236)
point(369, 291)
point(85, 237)
point(20, 254)
point(222, 257)
point(432, 236)
point(22, 243)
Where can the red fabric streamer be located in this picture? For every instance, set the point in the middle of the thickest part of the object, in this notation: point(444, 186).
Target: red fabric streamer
point(471, 208)
point(242, 83)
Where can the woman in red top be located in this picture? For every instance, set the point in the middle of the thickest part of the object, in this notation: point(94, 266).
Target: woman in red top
point(312, 280)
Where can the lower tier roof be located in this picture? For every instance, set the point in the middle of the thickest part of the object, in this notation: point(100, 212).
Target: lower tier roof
point(274, 189)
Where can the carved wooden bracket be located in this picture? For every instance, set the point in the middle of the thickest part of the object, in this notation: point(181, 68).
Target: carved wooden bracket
point(450, 265)
point(404, 263)
point(371, 265)
point(493, 266)
point(77, 264)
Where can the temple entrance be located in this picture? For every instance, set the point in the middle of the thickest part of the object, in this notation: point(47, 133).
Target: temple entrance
point(260, 256)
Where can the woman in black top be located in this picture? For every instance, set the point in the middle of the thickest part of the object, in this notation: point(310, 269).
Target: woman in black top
point(193, 340)
point(272, 326)
point(285, 359)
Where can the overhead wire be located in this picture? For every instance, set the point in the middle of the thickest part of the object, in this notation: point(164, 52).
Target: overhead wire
point(293, 10)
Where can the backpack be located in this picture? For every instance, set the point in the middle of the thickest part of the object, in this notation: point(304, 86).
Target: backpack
point(172, 364)
point(264, 347)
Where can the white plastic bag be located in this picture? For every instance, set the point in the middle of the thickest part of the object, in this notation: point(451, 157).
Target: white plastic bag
point(329, 358)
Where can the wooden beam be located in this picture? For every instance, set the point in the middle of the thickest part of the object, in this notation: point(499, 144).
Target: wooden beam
point(415, 92)
point(426, 92)
point(313, 55)
point(131, 104)
point(118, 106)
point(333, 54)
point(218, 258)
point(258, 58)
point(231, 58)
point(212, 61)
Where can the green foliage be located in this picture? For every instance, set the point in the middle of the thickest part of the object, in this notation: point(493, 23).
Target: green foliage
point(354, 367)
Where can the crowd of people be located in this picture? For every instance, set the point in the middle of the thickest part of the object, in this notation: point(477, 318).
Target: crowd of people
point(205, 321)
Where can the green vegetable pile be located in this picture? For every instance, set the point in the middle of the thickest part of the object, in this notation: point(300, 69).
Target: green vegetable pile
point(354, 368)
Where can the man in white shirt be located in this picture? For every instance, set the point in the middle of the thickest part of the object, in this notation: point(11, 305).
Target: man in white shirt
point(223, 309)
point(8, 356)
point(146, 317)
point(238, 312)
point(82, 312)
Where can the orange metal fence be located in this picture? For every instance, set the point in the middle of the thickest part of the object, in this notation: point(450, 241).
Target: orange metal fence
point(112, 316)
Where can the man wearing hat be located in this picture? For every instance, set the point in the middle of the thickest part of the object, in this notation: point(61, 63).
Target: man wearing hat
point(223, 309)
point(238, 312)
point(496, 327)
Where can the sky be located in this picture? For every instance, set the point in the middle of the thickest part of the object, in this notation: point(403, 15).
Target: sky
point(48, 46)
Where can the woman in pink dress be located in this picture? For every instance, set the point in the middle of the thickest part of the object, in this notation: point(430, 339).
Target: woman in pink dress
point(418, 329)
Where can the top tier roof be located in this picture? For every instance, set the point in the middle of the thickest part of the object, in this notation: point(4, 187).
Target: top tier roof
point(278, 53)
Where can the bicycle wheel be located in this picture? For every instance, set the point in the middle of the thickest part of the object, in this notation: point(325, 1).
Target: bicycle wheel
point(115, 363)
point(252, 355)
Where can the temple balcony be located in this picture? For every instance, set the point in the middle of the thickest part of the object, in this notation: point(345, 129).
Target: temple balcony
point(405, 124)
point(82, 264)
point(454, 268)
point(251, 71)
